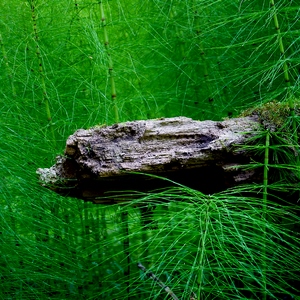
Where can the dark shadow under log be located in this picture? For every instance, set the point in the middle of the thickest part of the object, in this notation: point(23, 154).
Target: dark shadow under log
point(203, 155)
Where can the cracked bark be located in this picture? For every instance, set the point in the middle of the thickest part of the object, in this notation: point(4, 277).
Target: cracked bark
point(203, 155)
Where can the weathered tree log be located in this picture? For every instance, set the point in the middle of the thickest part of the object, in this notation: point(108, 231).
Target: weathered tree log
point(200, 154)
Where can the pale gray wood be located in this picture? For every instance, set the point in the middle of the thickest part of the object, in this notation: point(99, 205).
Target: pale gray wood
point(200, 154)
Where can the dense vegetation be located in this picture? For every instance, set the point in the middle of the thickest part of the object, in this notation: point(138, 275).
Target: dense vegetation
point(68, 64)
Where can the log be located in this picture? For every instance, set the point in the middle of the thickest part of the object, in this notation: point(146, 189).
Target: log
point(203, 155)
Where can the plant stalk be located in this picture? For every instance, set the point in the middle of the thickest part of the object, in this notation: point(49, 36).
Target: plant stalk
point(204, 61)
point(158, 281)
point(41, 72)
point(9, 71)
point(264, 217)
point(291, 97)
point(110, 64)
point(283, 57)
point(124, 221)
point(202, 249)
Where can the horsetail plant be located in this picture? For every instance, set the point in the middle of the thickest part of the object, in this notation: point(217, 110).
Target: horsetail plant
point(203, 58)
point(110, 62)
point(179, 33)
point(202, 248)
point(264, 217)
point(285, 69)
point(80, 251)
point(8, 69)
point(126, 242)
point(290, 95)
point(40, 69)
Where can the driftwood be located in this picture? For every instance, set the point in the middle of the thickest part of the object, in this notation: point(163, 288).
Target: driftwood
point(200, 154)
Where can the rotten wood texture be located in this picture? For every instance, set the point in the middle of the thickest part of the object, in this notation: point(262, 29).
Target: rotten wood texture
point(200, 154)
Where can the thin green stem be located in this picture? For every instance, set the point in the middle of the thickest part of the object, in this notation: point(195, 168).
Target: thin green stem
point(9, 71)
point(86, 222)
point(264, 217)
point(110, 63)
point(291, 97)
point(179, 33)
point(204, 60)
point(146, 218)
point(124, 219)
point(202, 249)
point(283, 57)
point(41, 71)
point(281, 46)
point(102, 225)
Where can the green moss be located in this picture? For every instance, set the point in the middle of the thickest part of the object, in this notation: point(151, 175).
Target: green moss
point(274, 114)
point(98, 126)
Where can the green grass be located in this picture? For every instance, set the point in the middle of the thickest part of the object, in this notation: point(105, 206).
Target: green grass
point(201, 59)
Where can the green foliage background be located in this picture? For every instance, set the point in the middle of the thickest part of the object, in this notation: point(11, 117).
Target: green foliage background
point(61, 64)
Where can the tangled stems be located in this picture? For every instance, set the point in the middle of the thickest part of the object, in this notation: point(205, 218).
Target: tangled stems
point(41, 71)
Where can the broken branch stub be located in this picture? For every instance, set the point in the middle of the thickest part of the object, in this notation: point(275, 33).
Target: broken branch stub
point(200, 154)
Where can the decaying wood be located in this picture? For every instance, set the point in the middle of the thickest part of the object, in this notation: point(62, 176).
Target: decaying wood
point(200, 154)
